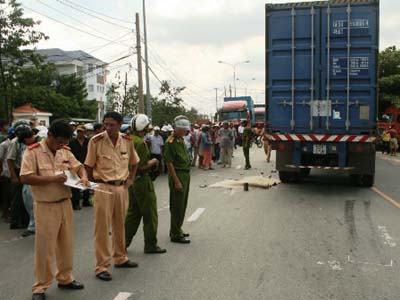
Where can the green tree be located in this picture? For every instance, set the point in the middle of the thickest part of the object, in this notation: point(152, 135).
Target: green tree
point(62, 95)
point(389, 76)
point(16, 33)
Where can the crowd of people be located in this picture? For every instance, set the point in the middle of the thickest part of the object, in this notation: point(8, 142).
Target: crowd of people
point(390, 143)
point(123, 161)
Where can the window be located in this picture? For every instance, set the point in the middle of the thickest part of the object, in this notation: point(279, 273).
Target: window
point(90, 88)
point(90, 68)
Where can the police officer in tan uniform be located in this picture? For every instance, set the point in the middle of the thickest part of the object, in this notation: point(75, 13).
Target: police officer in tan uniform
point(112, 162)
point(43, 167)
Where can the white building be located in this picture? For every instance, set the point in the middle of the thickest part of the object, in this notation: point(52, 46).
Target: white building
point(28, 112)
point(93, 70)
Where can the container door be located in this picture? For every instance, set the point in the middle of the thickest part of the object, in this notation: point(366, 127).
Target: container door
point(349, 53)
point(293, 60)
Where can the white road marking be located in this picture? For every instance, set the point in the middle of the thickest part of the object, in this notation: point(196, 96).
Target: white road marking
point(387, 239)
point(196, 215)
point(238, 167)
point(123, 296)
point(349, 260)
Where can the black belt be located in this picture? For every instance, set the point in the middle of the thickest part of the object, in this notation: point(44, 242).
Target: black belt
point(115, 182)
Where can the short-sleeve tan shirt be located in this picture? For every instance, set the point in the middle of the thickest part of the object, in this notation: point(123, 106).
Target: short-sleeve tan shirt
point(109, 162)
point(39, 160)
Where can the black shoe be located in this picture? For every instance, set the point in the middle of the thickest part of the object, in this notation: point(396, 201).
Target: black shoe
point(17, 226)
point(105, 276)
point(39, 296)
point(155, 250)
point(180, 240)
point(185, 235)
point(84, 204)
point(74, 285)
point(28, 233)
point(128, 265)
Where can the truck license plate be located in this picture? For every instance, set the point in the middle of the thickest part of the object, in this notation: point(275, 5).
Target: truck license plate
point(319, 149)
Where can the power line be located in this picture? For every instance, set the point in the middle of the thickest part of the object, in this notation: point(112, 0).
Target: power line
point(99, 13)
point(68, 25)
point(92, 15)
point(75, 19)
point(106, 45)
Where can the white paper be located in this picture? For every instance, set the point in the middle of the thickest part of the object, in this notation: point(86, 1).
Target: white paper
point(73, 181)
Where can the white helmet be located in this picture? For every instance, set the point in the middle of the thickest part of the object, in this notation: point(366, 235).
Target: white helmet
point(140, 122)
point(182, 122)
point(156, 128)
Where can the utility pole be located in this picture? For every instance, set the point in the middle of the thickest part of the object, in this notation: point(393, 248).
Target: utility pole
point(216, 99)
point(146, 57)
point(234, 79)
point(230, 91)
point(125, 94)
point(139, 63)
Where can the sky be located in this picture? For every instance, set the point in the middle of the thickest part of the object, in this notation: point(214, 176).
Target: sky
point(186, 39)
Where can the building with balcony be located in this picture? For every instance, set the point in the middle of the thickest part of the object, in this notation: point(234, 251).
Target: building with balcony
point(91, 69)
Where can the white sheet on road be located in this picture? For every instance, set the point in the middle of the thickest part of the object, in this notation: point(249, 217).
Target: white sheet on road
point(253, 181)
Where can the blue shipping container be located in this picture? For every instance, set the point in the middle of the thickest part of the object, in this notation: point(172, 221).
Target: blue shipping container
point(321, 66)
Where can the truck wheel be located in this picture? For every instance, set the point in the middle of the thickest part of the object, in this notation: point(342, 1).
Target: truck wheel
point(368, 180)
point(288, 177)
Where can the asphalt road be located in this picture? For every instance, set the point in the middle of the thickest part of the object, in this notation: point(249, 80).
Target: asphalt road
point(321, 239)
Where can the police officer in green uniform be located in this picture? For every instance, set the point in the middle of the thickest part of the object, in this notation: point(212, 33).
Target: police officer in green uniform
point(142, 198)
point(247, 139)
point(178, 163)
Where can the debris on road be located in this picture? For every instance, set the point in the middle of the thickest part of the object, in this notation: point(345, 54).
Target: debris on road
point(253, 181)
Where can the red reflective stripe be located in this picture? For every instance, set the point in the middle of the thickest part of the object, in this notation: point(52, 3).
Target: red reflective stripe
point(289, 138)
point(351, 138)
point(338, 138)
point(364, 139)
point(313, 137)
point(325, 138)
point(301, 137)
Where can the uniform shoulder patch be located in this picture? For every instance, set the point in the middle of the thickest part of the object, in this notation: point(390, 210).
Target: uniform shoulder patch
point(33, 146)
point(97, 138)
point(170, 139)
point(66, 148)
point(127, 137)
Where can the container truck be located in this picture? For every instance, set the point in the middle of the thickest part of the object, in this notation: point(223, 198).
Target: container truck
point(322, 87)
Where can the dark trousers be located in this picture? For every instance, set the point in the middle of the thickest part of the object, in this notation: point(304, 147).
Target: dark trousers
point(5, 190)
point(19, 215)
point(178, 201)
point(76, 197)
point(161, 165)
point(246, 152)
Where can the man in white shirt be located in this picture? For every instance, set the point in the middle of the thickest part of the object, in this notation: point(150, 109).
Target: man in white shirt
point(156, 146)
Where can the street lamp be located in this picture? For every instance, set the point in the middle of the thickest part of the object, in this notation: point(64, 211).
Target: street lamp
point(234, 70)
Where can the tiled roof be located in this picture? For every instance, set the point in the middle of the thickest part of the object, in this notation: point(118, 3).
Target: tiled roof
point(56, 55)
point(27, 109)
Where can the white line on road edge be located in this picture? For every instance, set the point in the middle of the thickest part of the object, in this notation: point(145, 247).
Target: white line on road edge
point(387, 239)
point(123, 296)
point(196, 215)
